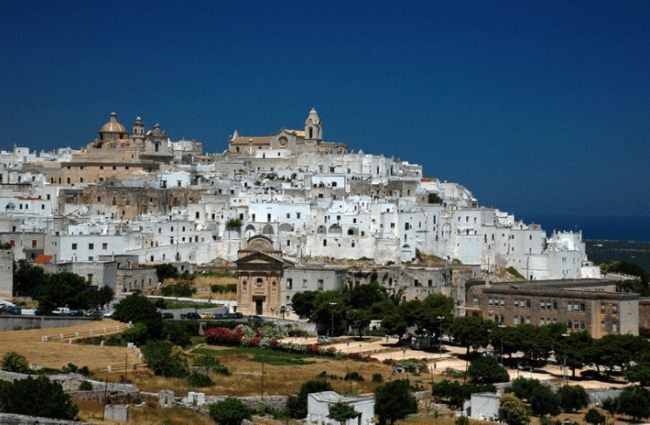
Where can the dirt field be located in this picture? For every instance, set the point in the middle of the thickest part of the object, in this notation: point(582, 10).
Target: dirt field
point(56, 354)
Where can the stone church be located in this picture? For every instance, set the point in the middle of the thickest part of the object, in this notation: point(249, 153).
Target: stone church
point(260, 270)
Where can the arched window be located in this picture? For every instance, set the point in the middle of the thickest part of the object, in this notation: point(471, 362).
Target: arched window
point(311, 133)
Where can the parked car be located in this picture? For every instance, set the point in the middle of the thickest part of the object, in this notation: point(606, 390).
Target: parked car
point(324, 339)
point(14, 310)
point(76, 313)
point(95, 313)
point(167, 315)
point(192, 316)
point(109, 314)
point(219, 316)
point(235, 316)
point(61, 311)
point(206, 315)
point(42, 312)
point(255, 319)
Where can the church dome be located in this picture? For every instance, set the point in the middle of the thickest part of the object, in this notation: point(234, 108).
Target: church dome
point(313, 116)
point(113, 126)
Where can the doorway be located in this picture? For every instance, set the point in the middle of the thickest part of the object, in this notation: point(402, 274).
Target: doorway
point(259, 307)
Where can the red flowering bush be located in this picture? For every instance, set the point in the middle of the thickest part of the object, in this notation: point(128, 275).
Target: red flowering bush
point(331, 351)
point(253, 342)
point(312, 348)
point(274, 344)
point(223, 336)
point(390, 362)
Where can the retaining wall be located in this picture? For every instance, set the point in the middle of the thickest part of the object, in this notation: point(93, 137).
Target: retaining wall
point(23, 323)
point(11, 419)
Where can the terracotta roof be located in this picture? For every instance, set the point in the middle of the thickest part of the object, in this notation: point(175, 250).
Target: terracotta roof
point(43, 259)
point(256, 140)
point(297, 133)
point(113, 126)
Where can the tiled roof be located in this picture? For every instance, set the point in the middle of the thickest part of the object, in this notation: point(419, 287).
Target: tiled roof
point(43, 259)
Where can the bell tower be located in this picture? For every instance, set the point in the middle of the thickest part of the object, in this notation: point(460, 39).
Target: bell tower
point(313, 128)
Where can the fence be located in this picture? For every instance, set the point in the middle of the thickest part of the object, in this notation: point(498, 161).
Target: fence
point(69, 336)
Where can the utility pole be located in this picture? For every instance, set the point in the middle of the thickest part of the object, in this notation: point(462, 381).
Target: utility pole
point(262, 379)
point(564, 368)
point(333, 305)
point(441, 318)
point(126, 368)
point(502, 331)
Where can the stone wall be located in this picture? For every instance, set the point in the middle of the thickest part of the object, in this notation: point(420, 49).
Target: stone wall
point(21, 323)
point(11, 419)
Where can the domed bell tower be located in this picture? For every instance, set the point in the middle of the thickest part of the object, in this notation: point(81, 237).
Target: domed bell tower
point(313, 129)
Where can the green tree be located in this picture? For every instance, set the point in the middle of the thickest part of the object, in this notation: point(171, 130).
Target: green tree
point(634, 401)
point(394, 401)
point(615, 350)
point(610, 405)
point(543, 401)
point(60, 289)
point(364, 296)
point(199, 380)
point(302, 303)
point(517, 413)
point(486, 370)
point(137, 308)
point(165, 359)
point(37, 397)
point(27, 277)
point(233, 224)
point(324, 307)
point(471, 332)
point(177, 333)
point(359, 319)
point(523, 388)
point(136, 334)
point(297, 405)
point(578, 346)
point(166, 271)
point(434, 198)
point(594, 417)
point(573, 398)
point(231, 411)
point(626, 268)
point(14, 362)
point(394, 323)
point(342, 412)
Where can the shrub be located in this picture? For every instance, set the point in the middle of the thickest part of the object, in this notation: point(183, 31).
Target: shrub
point(377, 378)
point(37, 397)
point(231, 411)
point(594, 417)
point(353, 376)
point(461, 420)
point(86, 386)
point(573, 398)
point(136, 334)
point(394, 401)
point(165, 359)
point(14, 362)
point(198, 380)
point(223, 336)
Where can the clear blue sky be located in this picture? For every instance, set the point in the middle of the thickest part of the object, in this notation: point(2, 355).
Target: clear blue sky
point(536, 107)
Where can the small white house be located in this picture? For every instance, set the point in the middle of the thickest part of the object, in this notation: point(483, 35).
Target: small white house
point(318, 407)
point(483, 406)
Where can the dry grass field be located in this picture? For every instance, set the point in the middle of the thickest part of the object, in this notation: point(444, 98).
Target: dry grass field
point(56, 354)
point(92, 412)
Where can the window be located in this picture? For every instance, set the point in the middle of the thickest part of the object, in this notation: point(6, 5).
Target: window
point(569, 306)
point(602, 308)
point(569, 324)
point(576, 325)
point(582, 325)
point(615, 327)
point(554, 305)
point(90, 279)
point(475, 299)
point(602, 326)
point(74, 246)
point(516, 303)
point(527, 303)
point(575, 306)
point(541, 322)
point(324, 242)
point(582, 307)
point(198, 215)
point(614, 308)
point(548, 305)
point(289, 284)
point(34, 243)
point(490, 301)
point(304, 283)
point(430, 283)
point(289, 215)
point(528, 320)
point(91, 246)
point(516, 320)
point(297, 215)
point(321, 284)
point(503, 301)
point(542, 305)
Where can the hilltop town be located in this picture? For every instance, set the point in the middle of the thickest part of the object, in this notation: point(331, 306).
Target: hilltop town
point(283, 215)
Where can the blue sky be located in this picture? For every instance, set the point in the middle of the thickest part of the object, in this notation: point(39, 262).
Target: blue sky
point(539, 108)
